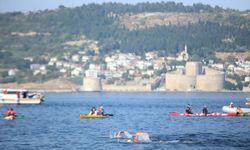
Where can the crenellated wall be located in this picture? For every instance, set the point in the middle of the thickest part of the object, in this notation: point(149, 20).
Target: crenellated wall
point(193, 79)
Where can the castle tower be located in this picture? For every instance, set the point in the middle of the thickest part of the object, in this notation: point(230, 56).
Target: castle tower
point(92, 84)
point(193, 68)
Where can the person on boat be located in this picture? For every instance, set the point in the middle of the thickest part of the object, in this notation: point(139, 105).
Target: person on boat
point(231, 105)
point(100, 111)
point(123, 135)
point(18, 94)
point(205, 110)
point(141, 137)
point(92, 111)
point(189, 109)
point(239, 111)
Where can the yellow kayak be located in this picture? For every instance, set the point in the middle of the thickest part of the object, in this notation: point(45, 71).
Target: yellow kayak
point(87, 116)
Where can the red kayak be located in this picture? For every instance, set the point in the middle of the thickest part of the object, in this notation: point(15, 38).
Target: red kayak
point(214, 114)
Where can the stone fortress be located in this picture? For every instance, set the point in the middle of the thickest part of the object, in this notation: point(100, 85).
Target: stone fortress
point(92, 84)
point(195, 78)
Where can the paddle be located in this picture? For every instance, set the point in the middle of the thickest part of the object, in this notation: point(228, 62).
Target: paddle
point(108, 115)
point(174, 114)
point(19, 116)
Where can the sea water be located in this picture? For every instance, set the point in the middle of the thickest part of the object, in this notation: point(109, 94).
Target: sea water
point(55, 124)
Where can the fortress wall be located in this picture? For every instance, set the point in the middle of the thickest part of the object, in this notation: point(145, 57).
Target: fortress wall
point(127, 88)
point(193, 68)
point(210, 82)
point(92, 84)
point(176, 82)
point(209, 71)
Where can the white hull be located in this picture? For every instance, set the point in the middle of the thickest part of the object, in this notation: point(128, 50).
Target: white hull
point(19, 96)
point(21, 101)
point(227, 109)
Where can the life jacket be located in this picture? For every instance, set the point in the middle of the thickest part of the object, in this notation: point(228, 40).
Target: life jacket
point(205, 111)
point(189, 110)
point(100, 110)
point(93, 111)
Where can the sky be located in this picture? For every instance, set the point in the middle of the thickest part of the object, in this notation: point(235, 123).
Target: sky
point(34, 5)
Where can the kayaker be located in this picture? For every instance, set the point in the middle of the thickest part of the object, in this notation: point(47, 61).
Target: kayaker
point(239, 111)
point(10, 112)
point(92, 111)
point(205, 110)
point(189, 109)
point(100, 111)
point(7, 113)
point(123, 135)
point(231, 105)
point(141, 137)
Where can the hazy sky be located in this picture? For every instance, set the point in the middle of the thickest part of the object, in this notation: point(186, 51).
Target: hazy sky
point(32, 5)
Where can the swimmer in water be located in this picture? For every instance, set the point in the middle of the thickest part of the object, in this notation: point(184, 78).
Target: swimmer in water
point(123, 135)
point(141, 137)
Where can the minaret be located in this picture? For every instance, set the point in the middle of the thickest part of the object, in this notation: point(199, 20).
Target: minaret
point(185, 49)
point(186, 56)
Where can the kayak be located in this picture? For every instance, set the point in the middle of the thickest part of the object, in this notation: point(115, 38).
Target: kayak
point(244, 114)
point(12, 117)
point(248, 103)
point(9, 118)
point(214, 114)
point(228, 109)
point(87, 116)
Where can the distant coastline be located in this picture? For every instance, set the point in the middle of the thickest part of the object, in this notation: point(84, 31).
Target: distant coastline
point(73, 91)
point(61, 86)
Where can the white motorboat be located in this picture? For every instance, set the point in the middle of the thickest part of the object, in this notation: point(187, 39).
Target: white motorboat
point(19, 96)
point(228, 109)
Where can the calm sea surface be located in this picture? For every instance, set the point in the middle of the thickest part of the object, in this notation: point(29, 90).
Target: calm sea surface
point(55, 124)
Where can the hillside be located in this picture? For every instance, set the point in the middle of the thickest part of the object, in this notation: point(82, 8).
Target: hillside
point(153, 19)
point(99, 29)
point(239, 55)
point(142, 27)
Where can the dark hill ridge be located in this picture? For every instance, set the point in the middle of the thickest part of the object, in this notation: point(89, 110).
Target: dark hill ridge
point(136, 28)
